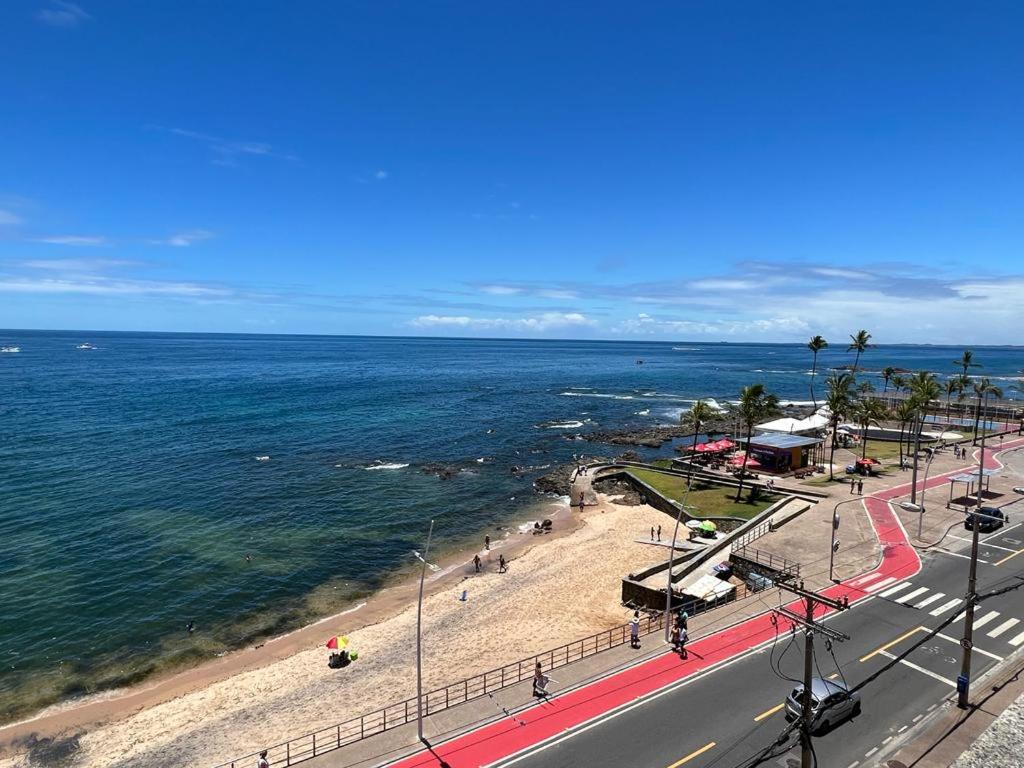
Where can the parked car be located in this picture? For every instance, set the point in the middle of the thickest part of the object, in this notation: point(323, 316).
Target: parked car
point(989, 519)
point(831, 703)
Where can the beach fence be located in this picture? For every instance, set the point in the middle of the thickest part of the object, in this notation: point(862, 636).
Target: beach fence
point(350, 731)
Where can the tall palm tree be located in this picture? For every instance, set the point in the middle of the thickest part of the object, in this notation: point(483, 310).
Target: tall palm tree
point(867, 413)
point(887, 373)
point(816, 344)
point(837, 400)
point(982, 390)
point(899, 383)
point(905, 413)
point(860, 343)
point(755, 404)
point(952, 386)
point(865, 388)
point(699, 415)
point(925, 390)
point(967, 361)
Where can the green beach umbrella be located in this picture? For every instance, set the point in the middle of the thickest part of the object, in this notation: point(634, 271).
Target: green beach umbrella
point(707, 525)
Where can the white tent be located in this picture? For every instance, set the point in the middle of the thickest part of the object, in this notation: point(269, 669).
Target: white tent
point(792, 426)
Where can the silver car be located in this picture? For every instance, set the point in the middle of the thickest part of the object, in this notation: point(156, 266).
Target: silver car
point(831, 703)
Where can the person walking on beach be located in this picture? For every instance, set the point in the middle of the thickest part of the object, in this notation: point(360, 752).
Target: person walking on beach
point(262, 762)
point(634, 630)
point(581, 499)
point(652, 533)
point(502, 564)
point(476, 562)
point(659, 533)
point(487, 543)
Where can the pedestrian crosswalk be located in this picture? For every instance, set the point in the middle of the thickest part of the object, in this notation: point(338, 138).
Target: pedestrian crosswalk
point(939, 605)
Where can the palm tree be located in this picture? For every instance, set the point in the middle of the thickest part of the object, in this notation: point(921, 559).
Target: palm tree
point(699, 414)
point(865, 413)
point(860, 343)
point(905, 413)
point(865, 388)
point(816, 344)
point(899, 383)
point(952, 386)
point(926, 390)
point(982, 389)
point(755, 404)
point(967, 361)
point(887, 374)
point(837, 400)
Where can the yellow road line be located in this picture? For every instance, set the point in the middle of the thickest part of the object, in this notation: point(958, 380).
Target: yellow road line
point(1000, 562)
point(769, 712)
point(692, 755)
point(891, 643)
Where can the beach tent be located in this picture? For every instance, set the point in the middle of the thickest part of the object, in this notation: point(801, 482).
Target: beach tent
point(705, 448)
point(726, 444)
point(737, 461)
point(792, 426)
point(709, 587)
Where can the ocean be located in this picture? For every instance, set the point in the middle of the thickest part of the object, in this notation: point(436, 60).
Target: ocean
point(252, 483)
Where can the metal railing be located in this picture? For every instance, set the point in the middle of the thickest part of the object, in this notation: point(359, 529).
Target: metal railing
point(753, 534)
point(348, 732)
point(769, 560)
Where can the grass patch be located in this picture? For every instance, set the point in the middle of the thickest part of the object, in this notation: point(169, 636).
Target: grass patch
point(709, 500)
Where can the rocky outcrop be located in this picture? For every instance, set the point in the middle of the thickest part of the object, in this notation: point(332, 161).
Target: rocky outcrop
point(622, 490)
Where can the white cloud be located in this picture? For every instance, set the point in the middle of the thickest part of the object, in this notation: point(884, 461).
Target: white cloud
point(381, 175)
point(557, 294)
point(104, 286)
point(227, 151)
point(72, 240)
point(76, 265)
point(9, 219)
point(62, 14)
point(185, 239)
point(546, 321)
point(501, 290)
point(771, 328)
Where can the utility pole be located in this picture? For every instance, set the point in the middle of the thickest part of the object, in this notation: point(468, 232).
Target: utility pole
point(963, 682)
point(419, 626)
point(811, 601)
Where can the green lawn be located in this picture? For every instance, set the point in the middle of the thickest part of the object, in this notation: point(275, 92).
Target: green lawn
point(709, 500)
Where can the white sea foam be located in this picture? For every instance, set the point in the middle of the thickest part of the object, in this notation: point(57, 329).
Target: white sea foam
point(262, 458)
point(564, 425)
point(597, 394)
point(387, 466)
point(686, 349)
point(644, 412)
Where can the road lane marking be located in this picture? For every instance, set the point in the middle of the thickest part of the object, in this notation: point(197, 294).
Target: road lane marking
point(919, 668)
point(959, 554)
point(891, 643)
point(979, 623)
point(870, 752)
point(862, 580)
point(893, 590)
point(881, 584)
point(983, 543)
point(696, 753)
point(982, 651)
point(947, 606)
point(1008, 557)
point(901, 730)
point(1015, 641)
point(769, 712)
point(932, 599)
point(1001, 532)
point(1003, 627)
point(911, 595)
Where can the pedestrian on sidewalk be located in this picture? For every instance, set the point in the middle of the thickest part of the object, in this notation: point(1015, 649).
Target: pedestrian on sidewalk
point(476, 562)
point(262, 762)
point(683, 636)
point(502, 564)
point(853, 486)
point(540, 682)
point(634, 630)
point(674, 637)
point(860, 487)
point(659, 533)
point(487, 543)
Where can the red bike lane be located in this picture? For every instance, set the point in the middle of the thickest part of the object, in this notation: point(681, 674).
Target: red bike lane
point(560, 713)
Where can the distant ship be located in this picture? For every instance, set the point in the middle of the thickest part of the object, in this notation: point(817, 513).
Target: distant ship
point(10, 349)
point(85, 345)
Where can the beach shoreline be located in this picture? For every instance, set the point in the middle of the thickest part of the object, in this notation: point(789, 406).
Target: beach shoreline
point(455, 565)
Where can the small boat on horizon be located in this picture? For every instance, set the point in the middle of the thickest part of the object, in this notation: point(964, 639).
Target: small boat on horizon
point(85, 345)
point(10, 349)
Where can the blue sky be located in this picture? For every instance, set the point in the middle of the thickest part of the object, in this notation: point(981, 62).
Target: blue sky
point(676, 170)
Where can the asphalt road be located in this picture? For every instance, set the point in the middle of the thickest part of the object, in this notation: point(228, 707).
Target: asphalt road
point(728, 714)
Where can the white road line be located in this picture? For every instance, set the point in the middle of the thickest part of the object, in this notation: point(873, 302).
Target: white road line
point(881, 585)
point(922, 670)
point(983, 543)
point(901, 730)
point(854, 764)
point(958, 554)
point(886, 740)
point(929, 600)
point(960, 617)
point(911, 595)
point(917, 718)
point(893, 590)
point(982, 651)
point(869, 753)
point(947, 606)
point(1015, 641)
point(979, 623)
point(1000, 532)
point(862, 580)
point(1003, 627)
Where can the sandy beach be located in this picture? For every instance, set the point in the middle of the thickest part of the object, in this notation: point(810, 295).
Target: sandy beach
point(558, 588)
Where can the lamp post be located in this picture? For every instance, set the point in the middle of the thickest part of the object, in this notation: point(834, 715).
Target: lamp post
point(834, 547)
point(924, 487)
point(671, 558)
point(419, 625)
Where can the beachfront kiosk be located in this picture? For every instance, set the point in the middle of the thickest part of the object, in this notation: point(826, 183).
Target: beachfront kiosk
point(785, 453)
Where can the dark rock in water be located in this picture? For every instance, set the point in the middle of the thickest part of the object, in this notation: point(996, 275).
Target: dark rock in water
point(631, 456)
point(444, 471)
point(557, 481)
point(650, 437)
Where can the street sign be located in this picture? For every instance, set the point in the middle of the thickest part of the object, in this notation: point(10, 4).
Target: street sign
point(966, 644)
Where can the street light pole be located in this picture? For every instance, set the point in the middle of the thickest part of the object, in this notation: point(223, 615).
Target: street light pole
point(963, 683)
point(671, 562)
point(924, 487)
point(419, 627)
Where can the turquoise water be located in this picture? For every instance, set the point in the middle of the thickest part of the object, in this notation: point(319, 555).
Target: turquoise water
point(131, 490)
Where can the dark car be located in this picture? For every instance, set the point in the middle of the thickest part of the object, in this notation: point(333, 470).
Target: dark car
point(831, 703)
point(988, 519)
